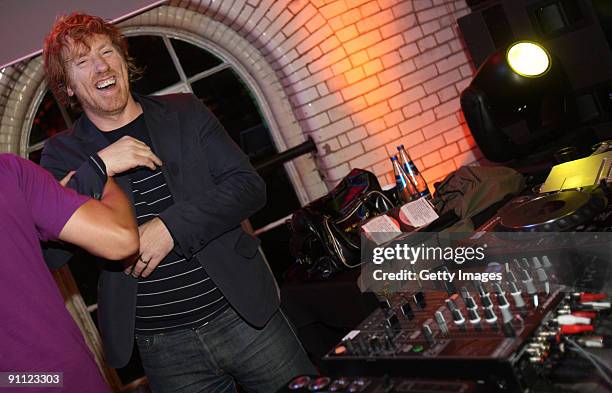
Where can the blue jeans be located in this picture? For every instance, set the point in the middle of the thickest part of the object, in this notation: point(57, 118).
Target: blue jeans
point(212, 358)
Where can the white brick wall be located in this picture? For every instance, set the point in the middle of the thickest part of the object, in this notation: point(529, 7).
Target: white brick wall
point(363, 76)
point(387, 72)
point(366, 75)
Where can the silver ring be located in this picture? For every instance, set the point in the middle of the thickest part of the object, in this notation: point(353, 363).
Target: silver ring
point(146, 262)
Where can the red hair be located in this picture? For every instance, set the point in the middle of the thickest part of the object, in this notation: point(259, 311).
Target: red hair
point(70, 32)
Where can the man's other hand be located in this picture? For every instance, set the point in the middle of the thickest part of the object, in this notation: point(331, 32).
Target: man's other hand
point(155, 243)
point(67, 178)
point(128, 153)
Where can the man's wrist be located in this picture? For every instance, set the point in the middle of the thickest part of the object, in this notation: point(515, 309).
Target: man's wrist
point(100, 159)
point(167, 229)
point(99, 167)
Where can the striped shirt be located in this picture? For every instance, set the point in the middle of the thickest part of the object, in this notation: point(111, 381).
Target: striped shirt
point(179, 294)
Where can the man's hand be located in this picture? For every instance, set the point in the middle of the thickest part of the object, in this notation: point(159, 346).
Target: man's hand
point(155, 243)
point(67, 178)
point(128, 153)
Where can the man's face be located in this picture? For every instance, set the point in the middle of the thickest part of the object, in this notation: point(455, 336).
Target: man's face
point(97, 76)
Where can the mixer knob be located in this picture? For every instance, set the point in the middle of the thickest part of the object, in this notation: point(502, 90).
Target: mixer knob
point(448, 284)
point(473, 317)
point(441, 322)
point(419, 300)
point(357, 385)
point(546, 262)
point(490, 316)
point(528, 282)
point(385, 304)
point(393, 323)
point(339, 384)
point(516, 295)
point(375, 345)
point(480, 288)
point(535, 262)
point(504, 307)
point(318, 384)
point(468, 299)
point(457, 317)
point(543, 278)
point(525, 263)
point(498, 288)
point(407, 311)
point(470, 303)
point(299, 382)
point(389, 343)
point(450, 303)
point(388, 331)
point(486, 301)
point(503, 302)
point(450, 287)
point(428, 333)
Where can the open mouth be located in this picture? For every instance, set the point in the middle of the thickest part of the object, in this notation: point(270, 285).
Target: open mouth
point(106, 83)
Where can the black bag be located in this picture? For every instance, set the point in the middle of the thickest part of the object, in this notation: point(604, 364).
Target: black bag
point(325, 235)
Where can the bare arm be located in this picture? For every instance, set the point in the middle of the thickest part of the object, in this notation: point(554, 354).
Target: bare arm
point(106, 228)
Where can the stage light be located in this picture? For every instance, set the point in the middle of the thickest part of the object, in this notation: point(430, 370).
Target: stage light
point(528, 59)
point(517, 102)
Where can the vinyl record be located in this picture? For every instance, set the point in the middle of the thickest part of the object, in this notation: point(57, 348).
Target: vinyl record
point(561, 211)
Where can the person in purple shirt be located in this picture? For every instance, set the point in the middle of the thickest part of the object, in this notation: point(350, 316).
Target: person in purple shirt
point(37, 334)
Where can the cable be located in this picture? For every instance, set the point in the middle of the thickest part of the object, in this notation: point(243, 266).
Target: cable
point(597, 366)
point(598, 363)
point(592, 356)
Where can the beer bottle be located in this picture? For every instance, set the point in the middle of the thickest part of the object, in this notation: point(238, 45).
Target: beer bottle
point(413, 173)
point(403, 187)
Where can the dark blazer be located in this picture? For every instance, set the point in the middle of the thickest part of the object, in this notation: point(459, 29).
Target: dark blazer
point(214, 188)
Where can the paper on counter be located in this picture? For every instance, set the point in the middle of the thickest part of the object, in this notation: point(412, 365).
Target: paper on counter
point(381, 229)
point(418, 213)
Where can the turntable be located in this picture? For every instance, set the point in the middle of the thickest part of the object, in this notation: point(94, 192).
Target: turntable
point(561, 211)
point(569, 210)
point(574, 197)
